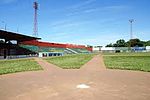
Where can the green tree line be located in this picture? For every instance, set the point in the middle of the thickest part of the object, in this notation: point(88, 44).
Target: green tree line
point(132, 42)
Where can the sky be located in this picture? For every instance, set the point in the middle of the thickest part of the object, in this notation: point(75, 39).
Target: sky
point(88, 22)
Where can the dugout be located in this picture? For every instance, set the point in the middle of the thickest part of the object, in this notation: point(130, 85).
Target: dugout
point(49, 54)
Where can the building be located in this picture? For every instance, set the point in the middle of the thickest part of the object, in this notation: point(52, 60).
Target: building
point(96, 48)
point(14, 45)
point(9, 45)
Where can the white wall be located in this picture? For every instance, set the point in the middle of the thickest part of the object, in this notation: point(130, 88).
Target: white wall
point(96, 49)
point(147, 48)
point(108, 48)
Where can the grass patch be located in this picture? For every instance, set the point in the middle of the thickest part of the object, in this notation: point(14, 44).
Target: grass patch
point(128, 61)
point(127, 54)
point(70, 61)
point(19, 65)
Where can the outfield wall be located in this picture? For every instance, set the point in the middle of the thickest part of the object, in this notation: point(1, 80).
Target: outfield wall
point(124, 49)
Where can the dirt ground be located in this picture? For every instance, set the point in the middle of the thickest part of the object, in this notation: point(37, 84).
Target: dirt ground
point(57, 84)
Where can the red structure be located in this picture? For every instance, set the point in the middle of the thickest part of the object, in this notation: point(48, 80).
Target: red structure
point(56, 45)
point(11, 45)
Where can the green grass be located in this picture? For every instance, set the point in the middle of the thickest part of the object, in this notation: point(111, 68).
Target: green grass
point(70, 61)
point(128, 61)
point(20, 65)
point(128, 54)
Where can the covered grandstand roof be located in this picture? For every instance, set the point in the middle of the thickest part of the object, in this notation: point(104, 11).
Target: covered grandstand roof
point(15, 36)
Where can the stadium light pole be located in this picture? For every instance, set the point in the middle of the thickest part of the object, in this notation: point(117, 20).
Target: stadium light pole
point(2, 24)
point(131, 31)
point(5, 25)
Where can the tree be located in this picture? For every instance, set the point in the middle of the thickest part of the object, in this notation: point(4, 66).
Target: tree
point(147, 43)
point(109, 45)
point(120, 43)
point(132, 42)
point(136, 42)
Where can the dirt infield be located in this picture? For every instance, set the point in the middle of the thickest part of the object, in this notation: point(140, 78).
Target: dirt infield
point(57, 84)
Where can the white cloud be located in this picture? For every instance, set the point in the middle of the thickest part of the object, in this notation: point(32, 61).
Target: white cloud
point(82, 4)
point(78, 8)
point(68, 24)
point(105, 9)
point(102, 39)
point(116, 8)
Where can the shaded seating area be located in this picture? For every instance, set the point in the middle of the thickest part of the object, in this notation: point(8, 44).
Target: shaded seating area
point(18, 45)
point(9, 45)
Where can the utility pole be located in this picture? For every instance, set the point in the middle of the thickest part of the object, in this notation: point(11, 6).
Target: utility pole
point(131, 32)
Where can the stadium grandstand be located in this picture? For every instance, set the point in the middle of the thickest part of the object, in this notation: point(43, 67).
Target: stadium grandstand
point(14, 45)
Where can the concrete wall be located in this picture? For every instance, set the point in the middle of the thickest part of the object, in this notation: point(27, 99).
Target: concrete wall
point(96, 49)
point(148, 48)
point(124, 49)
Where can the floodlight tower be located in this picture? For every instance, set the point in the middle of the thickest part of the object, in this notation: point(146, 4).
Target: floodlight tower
point(131, 22)
point(5, 25)
point(35, 29)
point(131, 34)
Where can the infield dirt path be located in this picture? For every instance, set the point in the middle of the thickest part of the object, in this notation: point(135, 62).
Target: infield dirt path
point(57, 84)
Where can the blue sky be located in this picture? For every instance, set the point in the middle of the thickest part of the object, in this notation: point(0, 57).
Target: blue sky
point(90, 22)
